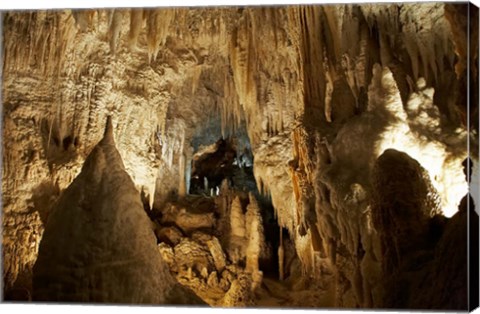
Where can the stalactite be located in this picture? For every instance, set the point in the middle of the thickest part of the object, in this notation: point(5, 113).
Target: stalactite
point(115, 29)
point(243, 60)
point(312, 59)
point(413, 53)
point(48, 34)
point(197, 72)
point(328, 96)
point(136, 25)
point(158, 24)
point(230, 108)
point(84, 19)
point(330, 12)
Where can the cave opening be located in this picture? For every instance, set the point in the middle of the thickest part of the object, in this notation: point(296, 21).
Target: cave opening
point(220, 154)
point(227, 157)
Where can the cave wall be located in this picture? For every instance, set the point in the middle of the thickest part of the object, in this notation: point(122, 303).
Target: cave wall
point(323, 90)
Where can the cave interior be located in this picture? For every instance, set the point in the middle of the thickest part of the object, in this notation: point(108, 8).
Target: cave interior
point(300, 156)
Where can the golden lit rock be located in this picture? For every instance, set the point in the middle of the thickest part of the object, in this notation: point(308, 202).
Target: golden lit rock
point(251, 144)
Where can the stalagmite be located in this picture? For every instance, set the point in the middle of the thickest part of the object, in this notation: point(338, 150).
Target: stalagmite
point(98, 245)
point(182, 187)
point(188, 174)
point(205, 184)
point(281, 257)
point(239, 294)
point(256, 240)
point(237, 219)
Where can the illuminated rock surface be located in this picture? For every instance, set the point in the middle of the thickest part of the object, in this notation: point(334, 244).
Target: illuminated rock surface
point(98, 245)
point(294, 105)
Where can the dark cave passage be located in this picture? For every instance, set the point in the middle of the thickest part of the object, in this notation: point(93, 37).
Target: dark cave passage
point(211, 166)
point(231, 159)
point(219, 155)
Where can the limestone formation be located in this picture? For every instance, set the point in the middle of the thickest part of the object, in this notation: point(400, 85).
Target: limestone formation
point(418, 248)
point(170, 235)
point(344, 125)
point(191, 254)
point(239, 294)
point(404, 203)
point(168, 256)
point(187, 221)
point(237, 219)
point(217, 254)
point(254, 233)
point(255, 239)
point(98, 245)
point(281, 258)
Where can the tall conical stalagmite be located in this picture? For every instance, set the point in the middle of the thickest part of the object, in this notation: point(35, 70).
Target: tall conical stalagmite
point(98, 244)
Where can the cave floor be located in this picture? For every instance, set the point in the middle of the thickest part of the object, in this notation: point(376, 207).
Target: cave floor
point(194, 220)
point(288, 294)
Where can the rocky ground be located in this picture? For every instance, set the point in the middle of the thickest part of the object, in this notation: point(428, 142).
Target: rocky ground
point(212, 262)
